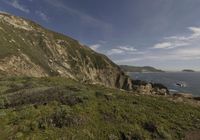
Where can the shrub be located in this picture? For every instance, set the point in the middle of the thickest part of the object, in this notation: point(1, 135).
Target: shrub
point(4, 102)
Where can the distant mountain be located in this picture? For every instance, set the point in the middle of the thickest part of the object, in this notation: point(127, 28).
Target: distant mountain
point(127, 68)
point(188, 70)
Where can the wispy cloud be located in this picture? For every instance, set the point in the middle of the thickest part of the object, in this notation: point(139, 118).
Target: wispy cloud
point(186, 54)
point(180, 41)
point(161, 58)
point(95, 47)
point(121, 50)
point(127, 48)
point(115, 51)
point(162, 45)
point(17, 5)
point(127, 60)
point(196, 32)
point(180, 54)
point(178, 48)
point(42, 15)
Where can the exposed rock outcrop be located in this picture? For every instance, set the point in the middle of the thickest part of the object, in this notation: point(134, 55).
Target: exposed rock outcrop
point(149, 88)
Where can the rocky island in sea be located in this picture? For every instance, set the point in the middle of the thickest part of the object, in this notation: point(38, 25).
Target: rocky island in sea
point(188, 70)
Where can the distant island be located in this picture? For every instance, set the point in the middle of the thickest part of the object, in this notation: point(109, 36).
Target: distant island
point(188, 70)
point(127, 68)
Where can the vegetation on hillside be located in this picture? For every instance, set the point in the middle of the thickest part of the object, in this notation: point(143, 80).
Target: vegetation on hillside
point(59, 108)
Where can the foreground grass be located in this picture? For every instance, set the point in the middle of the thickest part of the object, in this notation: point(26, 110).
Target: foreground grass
point(58, 108)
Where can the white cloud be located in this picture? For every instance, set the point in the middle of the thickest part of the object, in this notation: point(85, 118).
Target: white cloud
point(196, 31)
point(122, 61)
point(180, 41)
point(180, 54)
point(17, 5)
point(42, 15)
point(122, 50)
point(174, 51)
point(169, 45)
point(95, 47)
point(127, 48)
point(164, 45)
point(115, 51)
point(187, 53)
point(176, 55)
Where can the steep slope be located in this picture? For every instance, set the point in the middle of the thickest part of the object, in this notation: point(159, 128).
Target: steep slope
point(28, 49)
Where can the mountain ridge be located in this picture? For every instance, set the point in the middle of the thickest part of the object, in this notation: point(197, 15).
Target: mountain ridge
point(128, 68)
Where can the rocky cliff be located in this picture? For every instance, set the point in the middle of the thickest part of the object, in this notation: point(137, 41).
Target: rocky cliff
point(28, 49)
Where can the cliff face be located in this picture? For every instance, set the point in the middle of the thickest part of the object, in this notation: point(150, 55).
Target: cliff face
point(27, 49)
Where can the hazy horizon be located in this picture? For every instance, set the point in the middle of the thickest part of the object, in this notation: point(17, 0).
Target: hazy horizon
point(167, 70)
point(162, 34)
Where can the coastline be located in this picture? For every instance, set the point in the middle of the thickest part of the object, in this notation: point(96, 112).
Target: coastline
point(173, 80)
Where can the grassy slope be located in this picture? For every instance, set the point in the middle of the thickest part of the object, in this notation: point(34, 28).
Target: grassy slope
point(55, 108)
point(9, 48)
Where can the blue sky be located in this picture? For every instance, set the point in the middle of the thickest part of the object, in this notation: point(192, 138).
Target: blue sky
point(160, 33)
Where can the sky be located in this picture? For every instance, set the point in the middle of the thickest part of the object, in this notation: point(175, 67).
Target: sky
point(160, 33)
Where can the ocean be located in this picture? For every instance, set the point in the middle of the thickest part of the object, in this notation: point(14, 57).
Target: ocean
point(190, 81)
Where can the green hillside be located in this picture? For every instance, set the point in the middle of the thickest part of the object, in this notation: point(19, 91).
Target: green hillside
point(59, 108)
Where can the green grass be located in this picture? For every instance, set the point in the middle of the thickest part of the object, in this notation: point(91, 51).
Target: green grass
point(70, 110)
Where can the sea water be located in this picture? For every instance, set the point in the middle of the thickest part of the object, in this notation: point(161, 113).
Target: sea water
point(190, 81)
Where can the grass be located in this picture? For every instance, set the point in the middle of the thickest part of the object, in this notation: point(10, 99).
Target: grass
point(59, 108)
